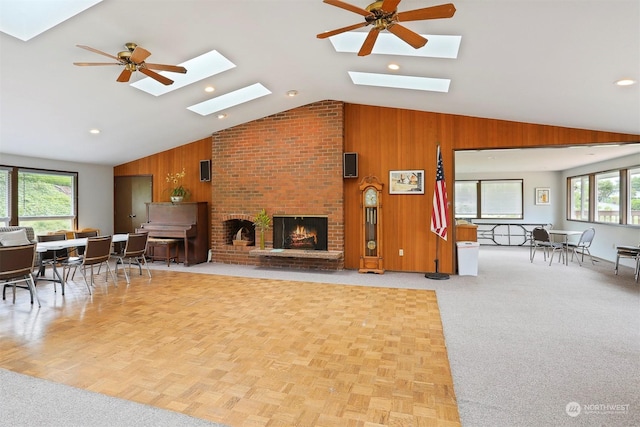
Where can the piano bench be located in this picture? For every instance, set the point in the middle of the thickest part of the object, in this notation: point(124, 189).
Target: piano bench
point(170, 249)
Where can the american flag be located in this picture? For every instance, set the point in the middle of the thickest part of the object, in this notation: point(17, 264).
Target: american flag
point(440, 205)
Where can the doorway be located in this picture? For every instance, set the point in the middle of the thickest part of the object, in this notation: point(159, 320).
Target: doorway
point(131, 193)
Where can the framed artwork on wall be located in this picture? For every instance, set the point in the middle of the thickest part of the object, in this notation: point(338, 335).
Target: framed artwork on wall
point(406, 182)
point(543, 196)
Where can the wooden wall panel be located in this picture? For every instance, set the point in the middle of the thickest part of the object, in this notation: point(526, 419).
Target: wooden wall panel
point(172, 161)
point(388, 139)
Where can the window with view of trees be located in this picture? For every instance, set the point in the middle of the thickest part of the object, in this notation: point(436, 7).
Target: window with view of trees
point(490, 199)
point(579, 203)
point(611, 197)
point(44, 200)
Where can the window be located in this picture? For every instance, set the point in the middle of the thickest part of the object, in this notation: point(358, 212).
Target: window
point(4, 196)
point(466, 199)
point(44, 200)
point(633, 213)
point(579, 202)
point(489, 199)
point(610, 197)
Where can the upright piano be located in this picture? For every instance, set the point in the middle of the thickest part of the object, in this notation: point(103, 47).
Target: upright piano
point(187, 221)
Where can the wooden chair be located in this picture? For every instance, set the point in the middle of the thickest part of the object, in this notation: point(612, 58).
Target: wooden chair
point(134, 251)
point(97, 252)
point(16, 265)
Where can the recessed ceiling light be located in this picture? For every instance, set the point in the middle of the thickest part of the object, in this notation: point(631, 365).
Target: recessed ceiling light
point(393, 67)
point(222, 116)
point(400, 82)
point(198, 68)
point(389, 44)
point(209, 89)
point(625, 82)
point(26, 19)
point(94, 131)
point(292, 93)
point(230, 99)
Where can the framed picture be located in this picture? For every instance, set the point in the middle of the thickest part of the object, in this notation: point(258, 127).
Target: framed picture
point(406, 182)
point(543, 196)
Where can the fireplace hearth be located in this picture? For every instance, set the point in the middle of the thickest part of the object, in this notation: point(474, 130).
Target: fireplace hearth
point(309, 232)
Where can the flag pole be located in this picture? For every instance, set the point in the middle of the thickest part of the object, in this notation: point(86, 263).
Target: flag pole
point(439, 213)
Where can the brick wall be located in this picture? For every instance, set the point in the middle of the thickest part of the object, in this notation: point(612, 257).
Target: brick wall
point(289, 163)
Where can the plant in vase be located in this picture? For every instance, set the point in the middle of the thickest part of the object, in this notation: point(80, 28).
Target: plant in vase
point(177, 192)
point(262, 222)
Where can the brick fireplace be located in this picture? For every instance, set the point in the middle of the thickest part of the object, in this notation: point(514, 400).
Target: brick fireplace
point(289, 163)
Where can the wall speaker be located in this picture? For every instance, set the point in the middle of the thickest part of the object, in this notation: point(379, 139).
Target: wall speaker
point(350, 165)
point(205, 170)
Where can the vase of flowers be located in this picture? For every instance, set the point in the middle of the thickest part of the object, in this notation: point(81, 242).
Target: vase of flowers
point(177, 192)
point(262, 222)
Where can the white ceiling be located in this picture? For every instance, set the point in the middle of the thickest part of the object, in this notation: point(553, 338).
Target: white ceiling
point(540, 159)
point(537, 61)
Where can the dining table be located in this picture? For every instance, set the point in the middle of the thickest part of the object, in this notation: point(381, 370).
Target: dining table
point(564, 235)
point(57, 245)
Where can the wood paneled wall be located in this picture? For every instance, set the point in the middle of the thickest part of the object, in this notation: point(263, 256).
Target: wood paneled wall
point(385, 139)
point(172, 161)
point(392, 139)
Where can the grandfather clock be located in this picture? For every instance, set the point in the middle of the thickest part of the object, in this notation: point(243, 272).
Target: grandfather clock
point(371, 228)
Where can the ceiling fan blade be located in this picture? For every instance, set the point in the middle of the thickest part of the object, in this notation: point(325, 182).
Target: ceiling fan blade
point(162, 79)
point(341, 30)
point(163, 67)
point(389, 5)
point(434, 12)
point(124, 76)
point(349, 7)
point(99, 52)
point(85, 64)
point(139, 54)
point(367, 46)
point(408, 36)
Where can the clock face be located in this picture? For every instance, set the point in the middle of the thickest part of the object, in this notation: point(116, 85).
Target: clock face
point(371, 197)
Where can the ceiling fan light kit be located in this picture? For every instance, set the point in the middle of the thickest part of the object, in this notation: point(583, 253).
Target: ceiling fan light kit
point(133, 59)
point(383, 15)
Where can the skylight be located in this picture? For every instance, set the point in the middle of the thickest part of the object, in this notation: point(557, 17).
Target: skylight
point(230, 99)
point(389, 44)
point(400, 82)
point(198, 68)
point(26, 19)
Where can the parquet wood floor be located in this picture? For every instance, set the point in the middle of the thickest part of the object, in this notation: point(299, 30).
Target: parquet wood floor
point(242, 351)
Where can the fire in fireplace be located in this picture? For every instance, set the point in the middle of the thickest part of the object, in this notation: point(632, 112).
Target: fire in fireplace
point(300, 232)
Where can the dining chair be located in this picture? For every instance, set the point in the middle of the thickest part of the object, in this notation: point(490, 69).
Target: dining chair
point(134, 251)
point(97, 252)
point(16, 266)
point(582, 246)
point(628, 252)
point(52, 258)
point(540, 239)
point(79, 250)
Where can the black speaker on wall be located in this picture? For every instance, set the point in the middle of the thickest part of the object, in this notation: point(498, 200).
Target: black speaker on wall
point(350, 165)
point(205, 170)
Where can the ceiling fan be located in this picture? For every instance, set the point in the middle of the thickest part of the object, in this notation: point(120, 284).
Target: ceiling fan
point(133, 59)
point(383, 15)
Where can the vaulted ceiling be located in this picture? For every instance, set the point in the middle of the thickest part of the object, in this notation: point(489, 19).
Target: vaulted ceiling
point(537, 61)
